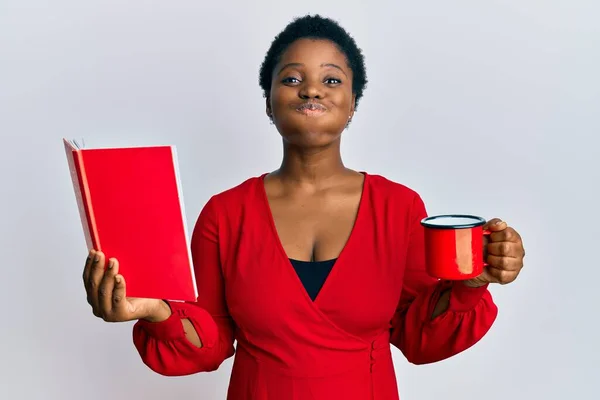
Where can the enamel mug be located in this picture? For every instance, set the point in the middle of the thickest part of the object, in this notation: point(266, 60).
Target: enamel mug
point(454, 246)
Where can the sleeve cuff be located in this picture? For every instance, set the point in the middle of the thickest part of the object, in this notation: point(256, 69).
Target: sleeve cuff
point(172, 328)
point(169, 329)
point(464, 298)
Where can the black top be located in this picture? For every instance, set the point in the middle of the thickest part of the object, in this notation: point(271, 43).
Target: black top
point(313, 274)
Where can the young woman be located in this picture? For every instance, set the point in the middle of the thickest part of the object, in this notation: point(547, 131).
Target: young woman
point(313, 269)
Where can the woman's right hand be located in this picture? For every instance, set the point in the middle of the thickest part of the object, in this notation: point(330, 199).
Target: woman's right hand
point(106, 293)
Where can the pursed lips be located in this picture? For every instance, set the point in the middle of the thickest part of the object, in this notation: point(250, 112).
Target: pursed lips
point(311, 108)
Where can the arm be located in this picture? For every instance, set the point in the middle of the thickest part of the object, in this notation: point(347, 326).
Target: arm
point(436, 319)
point(192, 337)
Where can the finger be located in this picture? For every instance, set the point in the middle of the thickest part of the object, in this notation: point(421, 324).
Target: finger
point(96, 274)
point(86, 275)
point(495, 224)
point(105, 291)
point(119, 301)
point(505, 235)
point(500, 276)
point(504, 263)
point(504, 249)
point(483, 278)
point(87, 267)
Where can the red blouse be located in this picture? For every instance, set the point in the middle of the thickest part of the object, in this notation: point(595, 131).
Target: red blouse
point(291, 347)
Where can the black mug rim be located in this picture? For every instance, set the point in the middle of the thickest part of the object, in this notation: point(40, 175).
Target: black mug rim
point(477, 221)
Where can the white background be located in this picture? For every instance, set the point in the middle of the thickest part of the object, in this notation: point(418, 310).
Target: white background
point(484, 107)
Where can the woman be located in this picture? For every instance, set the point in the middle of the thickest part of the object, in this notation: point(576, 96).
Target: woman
point(313, 269)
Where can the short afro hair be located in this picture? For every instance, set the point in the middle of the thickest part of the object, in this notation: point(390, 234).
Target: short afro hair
point(319, 28)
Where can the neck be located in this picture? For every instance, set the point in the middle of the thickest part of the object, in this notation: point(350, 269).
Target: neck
point(311, 166)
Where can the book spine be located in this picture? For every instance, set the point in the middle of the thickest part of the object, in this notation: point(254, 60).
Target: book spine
point(183, 217)
point(92, 238)
point(73, 164)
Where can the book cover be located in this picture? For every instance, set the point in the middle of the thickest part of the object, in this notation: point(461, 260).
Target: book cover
point(131, 207)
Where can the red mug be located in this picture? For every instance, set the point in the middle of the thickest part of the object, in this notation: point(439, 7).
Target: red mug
point(454, 246)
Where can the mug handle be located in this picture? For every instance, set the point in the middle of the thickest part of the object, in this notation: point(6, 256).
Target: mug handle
point(486, 232)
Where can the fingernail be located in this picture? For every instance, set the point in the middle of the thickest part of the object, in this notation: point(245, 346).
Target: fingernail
point(499, 222)
point(96, 259)
point(110, 264)
point(118, 279)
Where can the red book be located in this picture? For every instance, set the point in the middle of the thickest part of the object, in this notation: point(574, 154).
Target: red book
point(131, 208)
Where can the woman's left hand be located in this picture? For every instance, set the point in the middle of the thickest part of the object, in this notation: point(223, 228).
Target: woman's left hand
point(504, 255)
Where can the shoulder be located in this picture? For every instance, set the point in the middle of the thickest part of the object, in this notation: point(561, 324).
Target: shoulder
point(395, 195)
point(385, 187)
point(243, 191)
point(233, 199)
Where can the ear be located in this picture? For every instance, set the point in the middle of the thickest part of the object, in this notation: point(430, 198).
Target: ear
point(268, 109)
point(353, 107)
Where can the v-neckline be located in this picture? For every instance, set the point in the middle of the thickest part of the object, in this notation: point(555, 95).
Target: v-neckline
point(339, 259)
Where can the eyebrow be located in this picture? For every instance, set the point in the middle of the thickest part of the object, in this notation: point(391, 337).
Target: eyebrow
point(301, 65)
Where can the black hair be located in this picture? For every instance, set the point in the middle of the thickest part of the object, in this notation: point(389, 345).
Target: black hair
point(315, 27)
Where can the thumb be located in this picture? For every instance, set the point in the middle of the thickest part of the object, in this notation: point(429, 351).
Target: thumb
point(120, 303)
point(495, 225)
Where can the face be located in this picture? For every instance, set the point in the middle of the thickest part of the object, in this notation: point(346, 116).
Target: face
point(311, 99)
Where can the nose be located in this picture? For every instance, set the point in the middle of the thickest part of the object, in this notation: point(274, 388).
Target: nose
point(310, 90)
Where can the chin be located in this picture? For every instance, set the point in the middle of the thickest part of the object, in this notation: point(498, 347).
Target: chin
point(310, 135)
point(310, 138)
point(313, 140)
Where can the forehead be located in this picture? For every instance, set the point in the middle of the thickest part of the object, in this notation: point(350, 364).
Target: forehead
point(314, 52)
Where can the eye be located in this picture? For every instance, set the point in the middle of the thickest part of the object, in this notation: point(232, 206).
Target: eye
point(290, 80)
point(332, 81)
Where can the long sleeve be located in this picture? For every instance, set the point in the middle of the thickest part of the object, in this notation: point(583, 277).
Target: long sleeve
point(163, 346)
point(470, 314)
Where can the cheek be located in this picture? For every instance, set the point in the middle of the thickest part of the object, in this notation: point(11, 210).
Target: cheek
point(344, 100)
point(274, 94)
point(280, 99)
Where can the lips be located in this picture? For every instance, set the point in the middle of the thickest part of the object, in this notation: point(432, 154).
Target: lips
point(311, 108)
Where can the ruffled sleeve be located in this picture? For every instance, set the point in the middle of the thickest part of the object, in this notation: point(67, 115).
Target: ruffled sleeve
point(163, 346)
point(470, 314)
